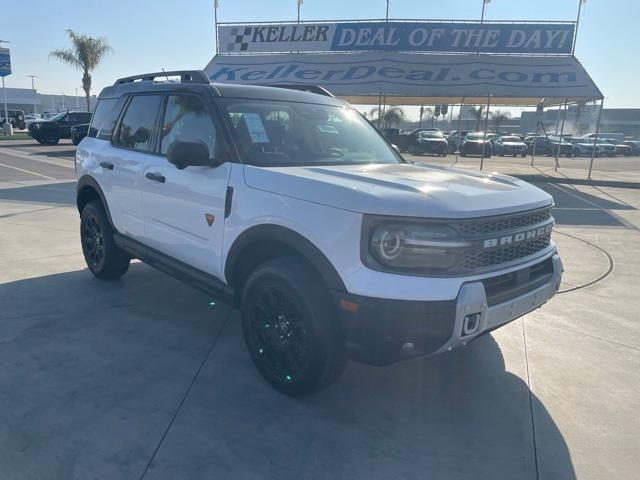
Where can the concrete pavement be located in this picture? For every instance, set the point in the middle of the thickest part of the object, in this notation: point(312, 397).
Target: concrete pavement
point(147, 378)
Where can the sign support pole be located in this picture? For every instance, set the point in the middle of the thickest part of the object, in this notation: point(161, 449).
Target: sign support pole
point(575, 36)
point(6, 111)
point(486, 125)
point(459, 128)
point(215, 24)
point(564, 115)
point(595, 139)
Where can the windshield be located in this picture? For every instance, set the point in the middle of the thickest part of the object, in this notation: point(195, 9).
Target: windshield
point(431, 135)
point(511, 139)
point(275, 133)
point(57, 117)
point(474, 136)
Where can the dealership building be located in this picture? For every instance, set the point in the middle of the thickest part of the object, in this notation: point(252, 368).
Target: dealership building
point(582, 120)
point(31, 101)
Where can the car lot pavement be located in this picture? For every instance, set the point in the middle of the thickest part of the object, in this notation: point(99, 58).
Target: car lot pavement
point(147, 378)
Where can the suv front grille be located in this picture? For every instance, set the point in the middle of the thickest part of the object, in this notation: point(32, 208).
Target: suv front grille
point(497, 225)
point(497, 256)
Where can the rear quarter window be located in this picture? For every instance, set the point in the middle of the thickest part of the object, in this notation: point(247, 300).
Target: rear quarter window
point(105, 118)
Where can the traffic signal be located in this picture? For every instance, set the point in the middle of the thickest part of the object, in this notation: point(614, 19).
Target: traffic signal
point(437, 112)
point(444, 109)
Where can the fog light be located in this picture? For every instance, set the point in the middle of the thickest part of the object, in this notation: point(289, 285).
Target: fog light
point(470, 324)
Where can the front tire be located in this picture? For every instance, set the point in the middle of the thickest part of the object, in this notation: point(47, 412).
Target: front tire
point(290, 327)
point(103, 257)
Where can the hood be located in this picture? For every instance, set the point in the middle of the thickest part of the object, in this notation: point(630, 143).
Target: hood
point(401, 189)
point(515, 144)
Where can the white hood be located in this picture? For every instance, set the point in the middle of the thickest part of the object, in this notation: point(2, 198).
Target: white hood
point(401, 189)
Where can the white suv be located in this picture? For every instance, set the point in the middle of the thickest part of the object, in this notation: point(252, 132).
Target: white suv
point(295, 209)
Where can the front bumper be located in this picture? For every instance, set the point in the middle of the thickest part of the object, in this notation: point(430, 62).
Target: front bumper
point(515, 150)
point(382, 331)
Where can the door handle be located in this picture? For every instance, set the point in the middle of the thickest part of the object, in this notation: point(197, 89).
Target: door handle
point(107, 165)
point(156, 177)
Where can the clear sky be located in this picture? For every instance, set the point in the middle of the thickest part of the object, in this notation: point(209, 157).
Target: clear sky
point(150, 35)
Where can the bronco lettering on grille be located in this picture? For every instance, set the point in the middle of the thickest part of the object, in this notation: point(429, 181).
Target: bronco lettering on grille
point(518, 237)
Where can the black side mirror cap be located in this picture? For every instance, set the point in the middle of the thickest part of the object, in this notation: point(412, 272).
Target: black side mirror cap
point(191, 153)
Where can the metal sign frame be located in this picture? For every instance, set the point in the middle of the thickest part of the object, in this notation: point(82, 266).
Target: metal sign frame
point(550, 38)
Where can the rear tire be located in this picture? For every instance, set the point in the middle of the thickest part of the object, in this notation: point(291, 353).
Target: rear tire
point(53, 141)
point(103, 257)
point(291, 328)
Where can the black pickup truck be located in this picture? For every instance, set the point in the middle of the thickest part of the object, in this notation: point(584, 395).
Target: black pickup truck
point(49, 132)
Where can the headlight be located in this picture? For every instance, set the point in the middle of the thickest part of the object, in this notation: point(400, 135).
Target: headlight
point(390, 245)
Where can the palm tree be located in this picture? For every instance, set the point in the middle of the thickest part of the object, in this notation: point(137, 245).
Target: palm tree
point(499, 117)
point(85, 54)
point(477, 112)
point(393, 115)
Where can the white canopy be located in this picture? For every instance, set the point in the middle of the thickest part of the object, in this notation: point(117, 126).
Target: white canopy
point(417, 79)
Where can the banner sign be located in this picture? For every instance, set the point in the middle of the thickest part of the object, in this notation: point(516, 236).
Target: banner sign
point(412, 74)
point(5, 62)
point(444, 37)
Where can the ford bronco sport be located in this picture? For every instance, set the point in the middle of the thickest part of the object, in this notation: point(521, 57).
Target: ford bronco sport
point(292, 207)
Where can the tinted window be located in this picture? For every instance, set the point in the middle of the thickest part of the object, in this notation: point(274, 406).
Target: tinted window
point(104, 116)
point(138, 122)
point(186, 118)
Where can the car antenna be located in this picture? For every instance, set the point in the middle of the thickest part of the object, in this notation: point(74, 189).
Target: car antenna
point(165, 75)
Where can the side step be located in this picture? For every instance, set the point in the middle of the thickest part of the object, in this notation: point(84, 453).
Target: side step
point(196, 278)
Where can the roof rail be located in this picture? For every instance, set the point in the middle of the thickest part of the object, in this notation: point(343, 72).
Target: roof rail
point(304, 88)
point(186, 76)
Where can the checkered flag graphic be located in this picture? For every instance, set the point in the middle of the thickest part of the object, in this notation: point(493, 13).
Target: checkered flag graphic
point(239, 34)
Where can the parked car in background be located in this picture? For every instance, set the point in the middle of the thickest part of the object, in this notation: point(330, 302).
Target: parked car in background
point(405, 139)
point(549, 146)
point(621, 149)
point(17, 118)
point(78, 132)
point(509, 145)
point(455, 140)
point(583, 147)
point(620, 137)
point(634, 145)
point(431, 142)
point(32, 118)
point(566, 147)
point(475, 144)
point(49, 132)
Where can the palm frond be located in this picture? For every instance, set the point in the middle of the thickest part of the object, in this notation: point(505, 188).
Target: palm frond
point(67, 56)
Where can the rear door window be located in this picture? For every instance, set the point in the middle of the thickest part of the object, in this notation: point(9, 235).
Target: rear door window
point(138, 122)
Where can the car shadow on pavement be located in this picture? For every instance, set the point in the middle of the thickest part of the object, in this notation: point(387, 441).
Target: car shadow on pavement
point(96, 373)
point(459, 415)
point(575, 207)
point(63, 193)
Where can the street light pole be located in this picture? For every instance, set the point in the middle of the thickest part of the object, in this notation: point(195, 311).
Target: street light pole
point(4, 90)
point(33, 89)
point(77, 100)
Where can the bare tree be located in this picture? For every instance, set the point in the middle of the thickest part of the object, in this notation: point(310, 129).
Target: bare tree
point(85, 54)
point(499, 117)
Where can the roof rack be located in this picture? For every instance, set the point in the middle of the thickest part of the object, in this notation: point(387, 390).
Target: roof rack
point(304, 88)
point(186, 76)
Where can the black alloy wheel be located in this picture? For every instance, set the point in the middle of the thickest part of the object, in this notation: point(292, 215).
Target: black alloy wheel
point(104, 259)
point(279, 334)
point(93, 243)
point(291, 328)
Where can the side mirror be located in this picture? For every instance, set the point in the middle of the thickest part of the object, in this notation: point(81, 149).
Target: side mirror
point(141, 135)
point(395, 147)
point(190, 153)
